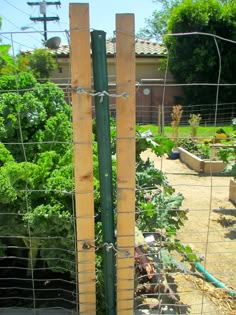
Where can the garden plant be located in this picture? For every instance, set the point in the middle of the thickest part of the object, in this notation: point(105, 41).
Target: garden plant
point(228, 155)
point(176, 116)
point(36, 184)
point(194, 122)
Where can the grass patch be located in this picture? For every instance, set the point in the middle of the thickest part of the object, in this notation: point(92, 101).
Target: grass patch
point(185, 131)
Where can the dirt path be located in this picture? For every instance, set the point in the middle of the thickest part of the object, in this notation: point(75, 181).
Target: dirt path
point(206, 198)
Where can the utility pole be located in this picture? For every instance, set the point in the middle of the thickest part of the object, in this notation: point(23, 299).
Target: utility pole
point(44, 18)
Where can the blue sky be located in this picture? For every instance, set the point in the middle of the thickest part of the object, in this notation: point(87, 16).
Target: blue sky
point(16, 14)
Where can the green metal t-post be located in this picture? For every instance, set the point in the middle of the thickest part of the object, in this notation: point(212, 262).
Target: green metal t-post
point(98, 41)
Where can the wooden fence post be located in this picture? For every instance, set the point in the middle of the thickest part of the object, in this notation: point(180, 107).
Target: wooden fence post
point(83, 157)
point(125, 72)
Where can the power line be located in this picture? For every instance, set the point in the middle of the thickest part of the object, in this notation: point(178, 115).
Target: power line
point(16, 27)
point(16, 7)
point(9, 21)
point(44, 18)
point(15, 41)
point(64, 32)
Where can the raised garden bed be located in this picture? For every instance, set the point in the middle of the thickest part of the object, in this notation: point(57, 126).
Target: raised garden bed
point(199, 165)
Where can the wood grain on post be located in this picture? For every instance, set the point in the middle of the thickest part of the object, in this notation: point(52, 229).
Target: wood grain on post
point(83, 155)
point(125, 72)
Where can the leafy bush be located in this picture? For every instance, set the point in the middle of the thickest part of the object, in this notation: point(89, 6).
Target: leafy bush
point(42, 63)
point(40, 115)
point(188, 144)
point(160, 145)
point(228, 155)
point(35, 126)
point(202, 150)
point(21, 82)
point(5, 59)
point(157, 205)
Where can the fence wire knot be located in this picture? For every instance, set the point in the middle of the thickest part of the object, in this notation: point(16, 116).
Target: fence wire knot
point(80, 90)
point(111, 246)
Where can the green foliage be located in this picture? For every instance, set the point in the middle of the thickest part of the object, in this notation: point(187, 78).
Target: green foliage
point(195, 58)
point(202, 150)
point(185, 250)
point(36, 177)
point(7, 193)
point(206, 131)
point(22, 63)
point(220, 130)
point(22, 81)
point(39, 117)
point(228, 155)
point(194, 122)
point(5, 58)
point(42, 213)
point(5, 155)
point(157, 205)
point(188, 144)
point(156, 25)
point(2, 249)
point(42, 63)
point(52, 220)
point(157, 144)
point(234, 126)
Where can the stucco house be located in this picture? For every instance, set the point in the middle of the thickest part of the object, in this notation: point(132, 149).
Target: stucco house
point(150, 79)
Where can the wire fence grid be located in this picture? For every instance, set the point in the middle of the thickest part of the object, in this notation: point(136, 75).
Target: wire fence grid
point(148, 108)
point(38, 263)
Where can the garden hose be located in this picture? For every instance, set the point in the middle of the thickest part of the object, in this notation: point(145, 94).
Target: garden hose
point(213, 280)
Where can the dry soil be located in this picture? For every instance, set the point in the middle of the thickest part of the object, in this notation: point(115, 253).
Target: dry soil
point(210, 231)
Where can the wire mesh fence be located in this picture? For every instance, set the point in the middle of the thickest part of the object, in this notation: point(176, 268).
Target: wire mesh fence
point(204, 234)
point(183, 258)
point(38, 246)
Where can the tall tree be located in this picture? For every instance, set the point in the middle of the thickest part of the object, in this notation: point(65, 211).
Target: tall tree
point(199, 58)
point(156, 25)
point(203, 58)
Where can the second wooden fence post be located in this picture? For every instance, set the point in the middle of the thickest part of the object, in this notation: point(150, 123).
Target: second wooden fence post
point(125, 71)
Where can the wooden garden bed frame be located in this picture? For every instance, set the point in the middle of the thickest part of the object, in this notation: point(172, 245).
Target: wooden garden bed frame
point(200, 165)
